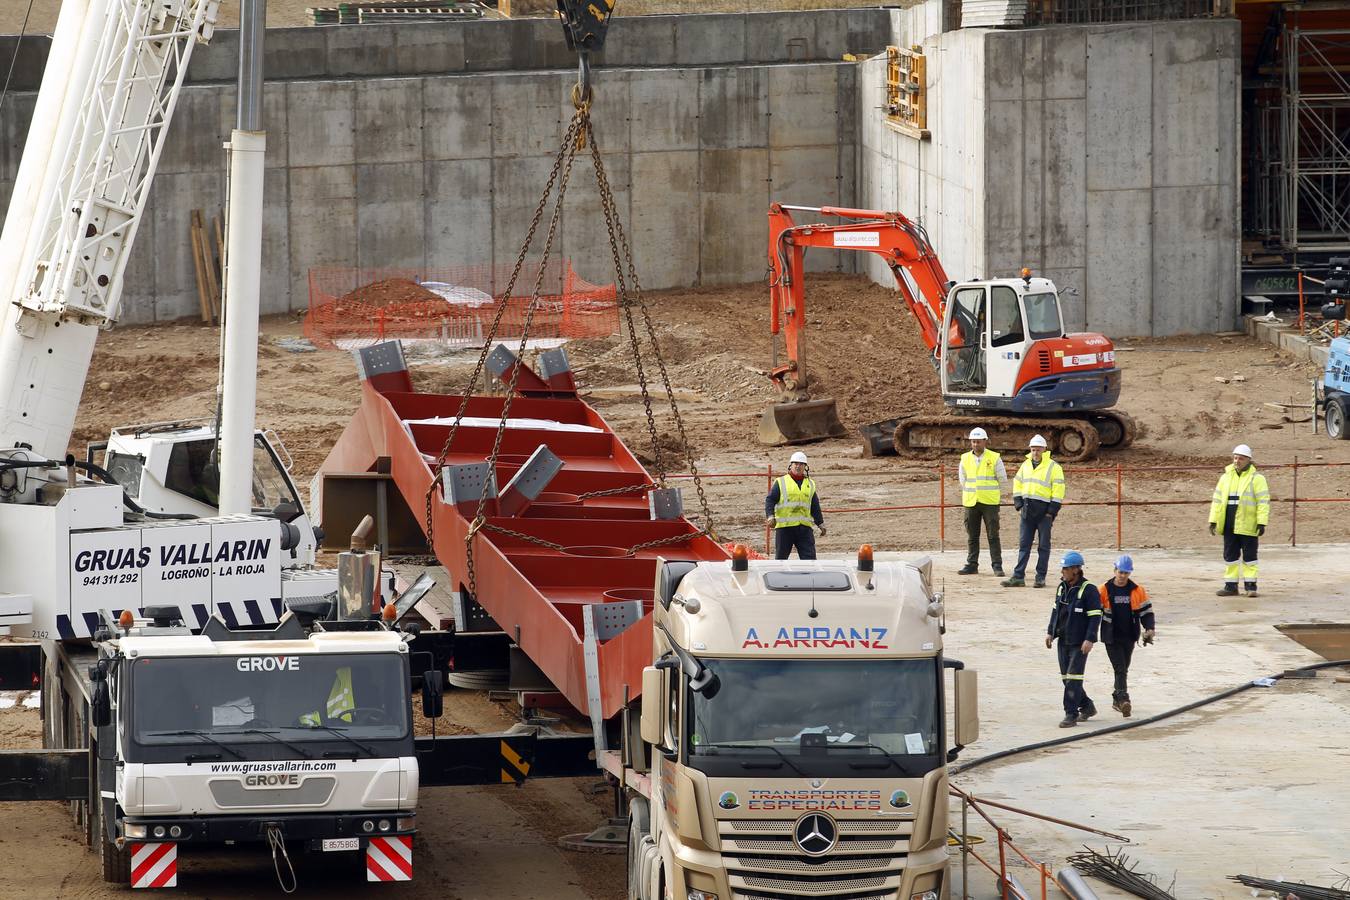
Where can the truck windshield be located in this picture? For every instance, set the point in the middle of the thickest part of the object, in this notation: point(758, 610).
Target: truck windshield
point(817, 717)
point(260, 699)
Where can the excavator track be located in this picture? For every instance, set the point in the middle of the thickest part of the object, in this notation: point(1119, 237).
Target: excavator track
point(1069, 439)
point(1115, 429)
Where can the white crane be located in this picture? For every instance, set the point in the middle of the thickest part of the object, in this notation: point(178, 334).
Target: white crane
point(108, 94)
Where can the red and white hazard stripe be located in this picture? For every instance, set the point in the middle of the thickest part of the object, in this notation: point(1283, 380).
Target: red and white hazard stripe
point(154, 865)
point(389, 858)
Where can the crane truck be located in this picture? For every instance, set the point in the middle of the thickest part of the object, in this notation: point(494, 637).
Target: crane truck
point(999, 347)
point(202, 684)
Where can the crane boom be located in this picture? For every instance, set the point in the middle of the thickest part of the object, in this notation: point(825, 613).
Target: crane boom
point(65, 274)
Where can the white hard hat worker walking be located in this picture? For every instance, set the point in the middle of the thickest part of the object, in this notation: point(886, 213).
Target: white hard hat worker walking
point(791, 508)
point(982, 478)
point(1038, 492)
point(1240, 511)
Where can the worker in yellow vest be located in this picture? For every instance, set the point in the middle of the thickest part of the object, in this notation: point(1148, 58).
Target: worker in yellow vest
point(982, 480)
point(791, 508)
point(340, 701)
point(1038, 491)
point(1240, 511)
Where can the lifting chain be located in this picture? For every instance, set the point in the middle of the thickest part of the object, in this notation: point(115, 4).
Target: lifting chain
point(618, 491)
point(579, 134)
point(562, 157)
point(623, 262)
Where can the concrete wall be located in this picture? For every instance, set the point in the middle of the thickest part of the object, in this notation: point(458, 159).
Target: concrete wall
point(389, 168)
point(940, 181)
point(1103, 156)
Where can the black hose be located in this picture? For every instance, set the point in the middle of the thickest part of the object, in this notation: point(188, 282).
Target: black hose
point(1112, 729)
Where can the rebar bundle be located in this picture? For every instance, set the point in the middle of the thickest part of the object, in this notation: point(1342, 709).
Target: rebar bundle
point(1291, 890)
point(1116, 869)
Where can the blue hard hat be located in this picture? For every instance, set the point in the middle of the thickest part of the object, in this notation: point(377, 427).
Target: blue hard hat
point(1125, 564)
point(1072, 558)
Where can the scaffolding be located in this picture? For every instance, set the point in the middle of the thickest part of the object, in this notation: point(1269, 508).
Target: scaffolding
point(1312, 190)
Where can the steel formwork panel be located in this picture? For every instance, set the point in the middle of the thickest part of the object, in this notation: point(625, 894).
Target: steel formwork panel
point(534, 592)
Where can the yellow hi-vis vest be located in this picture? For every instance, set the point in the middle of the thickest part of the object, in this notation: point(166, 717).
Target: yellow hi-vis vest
point(1248, 492)
point(1043, 482)
point(794, 502)
point(980, 481)
point(340, 699)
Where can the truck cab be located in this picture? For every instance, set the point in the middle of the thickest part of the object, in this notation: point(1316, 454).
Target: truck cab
point(795, 722)
point(174, 468)
point(1005, 348)
point(246, 737)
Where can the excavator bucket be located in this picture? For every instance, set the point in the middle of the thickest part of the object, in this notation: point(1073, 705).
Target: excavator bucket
point(800, 423)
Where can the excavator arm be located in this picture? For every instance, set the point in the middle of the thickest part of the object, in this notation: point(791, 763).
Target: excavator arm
point(902, 243)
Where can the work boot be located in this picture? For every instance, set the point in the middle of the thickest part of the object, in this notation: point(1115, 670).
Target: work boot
point(1251, 588)
point(1086, 713)
point(1228, 590)
point(1125, 708)
point(998, 571)
point(1039, 582)
point(1115, 704)
point(1015, 582)
point(968, 569)
point(1068, 721)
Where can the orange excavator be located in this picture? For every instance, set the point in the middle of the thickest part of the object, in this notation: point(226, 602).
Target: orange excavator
point(999, 348)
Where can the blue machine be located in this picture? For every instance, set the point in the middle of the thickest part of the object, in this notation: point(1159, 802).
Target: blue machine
point(1333, 391)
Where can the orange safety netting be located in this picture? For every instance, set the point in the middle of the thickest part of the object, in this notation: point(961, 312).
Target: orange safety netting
point(350, 308)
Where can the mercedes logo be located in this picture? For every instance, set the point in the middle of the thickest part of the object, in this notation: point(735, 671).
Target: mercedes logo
point(815, 834)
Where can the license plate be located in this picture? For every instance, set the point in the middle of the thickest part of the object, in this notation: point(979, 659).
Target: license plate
point(341, 844)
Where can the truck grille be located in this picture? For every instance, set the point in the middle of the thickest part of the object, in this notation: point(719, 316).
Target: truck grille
point(763, 862)
point(233, 795)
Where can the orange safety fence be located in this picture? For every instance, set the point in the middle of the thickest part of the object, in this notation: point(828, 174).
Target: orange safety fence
point(350, 307)
point(1116, 476)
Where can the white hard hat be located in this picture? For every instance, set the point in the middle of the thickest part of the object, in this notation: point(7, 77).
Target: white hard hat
point(1242, 450)
point(798, 457)
point(1038, 441)
point(977, 434)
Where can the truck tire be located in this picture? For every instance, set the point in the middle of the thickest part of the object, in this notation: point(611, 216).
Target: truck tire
point(638, 827)
point(1336, 416)
point(116, 863)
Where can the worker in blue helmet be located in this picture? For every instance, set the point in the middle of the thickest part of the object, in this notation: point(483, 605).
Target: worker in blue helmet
point(1127, 616)
point(1074, 622)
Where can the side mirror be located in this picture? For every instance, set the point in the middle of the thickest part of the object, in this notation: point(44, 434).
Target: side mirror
point(967, 712)
point(433, 693)
point(100, 711)
point(653, 706)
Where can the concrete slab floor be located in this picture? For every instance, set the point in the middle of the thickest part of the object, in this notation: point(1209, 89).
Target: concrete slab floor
point(1255, 784)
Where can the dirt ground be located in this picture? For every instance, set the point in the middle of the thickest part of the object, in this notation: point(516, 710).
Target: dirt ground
point(500, 842)
point(868, 356)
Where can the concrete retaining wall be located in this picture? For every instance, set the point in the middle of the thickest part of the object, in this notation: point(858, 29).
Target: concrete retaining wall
point(445, 169)
point(1103, 156)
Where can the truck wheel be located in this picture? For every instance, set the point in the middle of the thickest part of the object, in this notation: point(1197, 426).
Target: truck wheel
point(1335, 417)
point(638, 826)
point(116, 863)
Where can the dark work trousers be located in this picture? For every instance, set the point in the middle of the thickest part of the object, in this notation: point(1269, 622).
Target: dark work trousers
point(1120, 655)
point(1235, 546)
point(986, 513)
point(799, 536)
point(1040, 530)
point(1072, 662)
